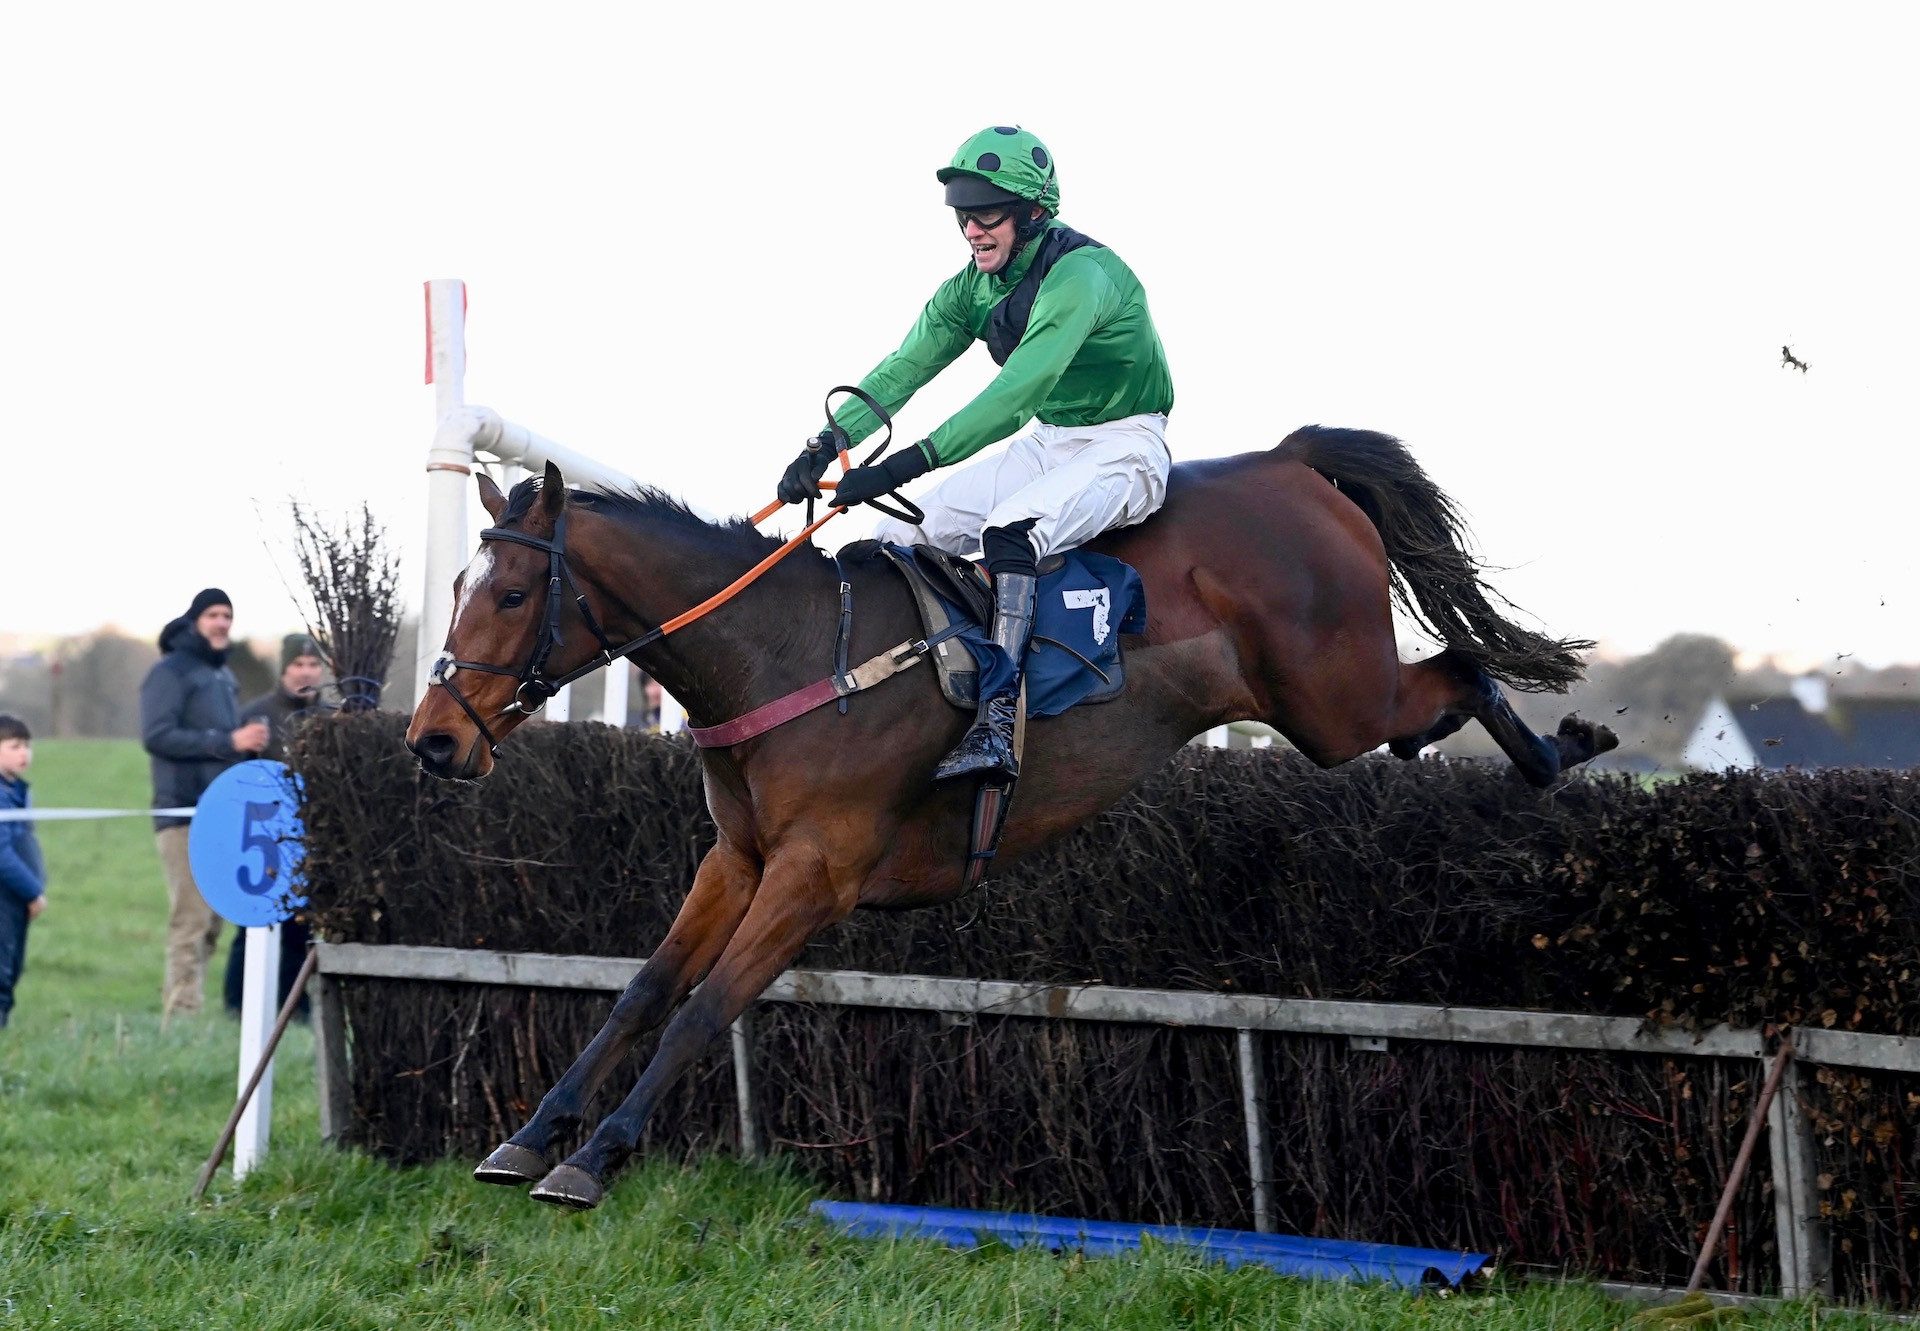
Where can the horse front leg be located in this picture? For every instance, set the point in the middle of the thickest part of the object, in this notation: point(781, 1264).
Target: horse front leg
point(794, 903)
point(723, 887)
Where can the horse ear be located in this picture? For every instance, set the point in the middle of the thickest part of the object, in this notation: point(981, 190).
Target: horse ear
point(490, 497)
point(553, 493)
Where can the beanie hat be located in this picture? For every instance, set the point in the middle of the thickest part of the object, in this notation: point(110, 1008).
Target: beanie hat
point(296, 645)
point(206, 600)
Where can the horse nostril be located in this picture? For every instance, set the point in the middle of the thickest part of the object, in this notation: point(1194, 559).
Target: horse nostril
point(436, 750)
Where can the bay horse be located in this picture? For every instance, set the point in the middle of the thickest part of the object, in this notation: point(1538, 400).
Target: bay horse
point(1268, 579)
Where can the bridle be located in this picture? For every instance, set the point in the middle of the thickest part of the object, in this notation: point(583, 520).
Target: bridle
point(535, 684)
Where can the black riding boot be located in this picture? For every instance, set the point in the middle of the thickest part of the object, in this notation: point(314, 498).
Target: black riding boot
point(987, 747)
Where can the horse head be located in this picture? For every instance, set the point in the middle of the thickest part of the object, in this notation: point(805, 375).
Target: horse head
point(515, 628)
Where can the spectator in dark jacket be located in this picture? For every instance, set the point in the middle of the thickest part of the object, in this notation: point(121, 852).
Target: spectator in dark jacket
point(191, 726)
point(301, 671)
point(23, 872)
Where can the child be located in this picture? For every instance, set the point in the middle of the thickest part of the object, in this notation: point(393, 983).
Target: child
point(23, 873)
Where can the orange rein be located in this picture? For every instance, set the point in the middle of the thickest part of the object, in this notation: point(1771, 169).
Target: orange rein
point(747, 579)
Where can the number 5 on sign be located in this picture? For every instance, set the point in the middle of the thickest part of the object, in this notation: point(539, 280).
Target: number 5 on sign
point(252, 837)
point(245, 844)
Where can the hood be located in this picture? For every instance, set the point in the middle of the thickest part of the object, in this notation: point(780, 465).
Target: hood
point(181, 636)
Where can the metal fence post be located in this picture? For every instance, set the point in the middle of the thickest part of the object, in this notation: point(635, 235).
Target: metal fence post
point(1806, 1259)
point(743, 1088)
point(1253, 1106)
point(330, 1057)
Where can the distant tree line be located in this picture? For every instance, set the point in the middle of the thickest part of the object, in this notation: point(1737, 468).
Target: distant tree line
point(89, 685)
point(1651, 700)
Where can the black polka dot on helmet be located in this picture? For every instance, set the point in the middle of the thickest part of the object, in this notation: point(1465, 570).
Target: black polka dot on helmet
point(1006, 164)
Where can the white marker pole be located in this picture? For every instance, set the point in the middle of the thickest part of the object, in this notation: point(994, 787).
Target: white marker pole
point(258, 1009)
point(672, 715)
point(449, 469)
point(613, 706)
point(459, 433)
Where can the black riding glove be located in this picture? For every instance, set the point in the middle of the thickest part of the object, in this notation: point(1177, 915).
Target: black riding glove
point(801, 480)
point(864, 483)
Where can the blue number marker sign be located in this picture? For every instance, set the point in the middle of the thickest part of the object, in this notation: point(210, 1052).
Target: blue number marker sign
point(245, 844)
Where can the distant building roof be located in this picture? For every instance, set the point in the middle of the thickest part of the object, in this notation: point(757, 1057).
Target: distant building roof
point(1778, 732)
point(1885, 732)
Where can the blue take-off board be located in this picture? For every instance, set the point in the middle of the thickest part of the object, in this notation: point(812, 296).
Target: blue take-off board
point(1312, 1259)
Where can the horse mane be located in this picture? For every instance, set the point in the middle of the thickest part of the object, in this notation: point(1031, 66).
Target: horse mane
point(646, 506)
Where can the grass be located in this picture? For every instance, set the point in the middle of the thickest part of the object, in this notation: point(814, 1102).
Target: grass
point(105, 1116)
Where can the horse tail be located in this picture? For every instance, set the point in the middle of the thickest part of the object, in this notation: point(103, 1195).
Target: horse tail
point(1434, 579)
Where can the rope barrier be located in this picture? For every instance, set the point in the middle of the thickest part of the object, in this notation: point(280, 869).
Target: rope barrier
point(80, 815)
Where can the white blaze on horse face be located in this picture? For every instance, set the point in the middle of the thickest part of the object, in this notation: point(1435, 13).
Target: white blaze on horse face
point(476, 576)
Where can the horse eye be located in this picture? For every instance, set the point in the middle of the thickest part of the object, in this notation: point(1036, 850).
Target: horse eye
point(511, 599)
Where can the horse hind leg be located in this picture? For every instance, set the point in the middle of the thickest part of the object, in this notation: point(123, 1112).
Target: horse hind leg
point(1408, 747)
point(1436, 697)
point(1464, 691)
point(1539, 758)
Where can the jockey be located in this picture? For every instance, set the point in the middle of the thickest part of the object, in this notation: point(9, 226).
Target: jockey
point(1067, 323)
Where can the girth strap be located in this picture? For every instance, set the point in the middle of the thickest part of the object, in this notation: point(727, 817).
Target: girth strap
point(876, 670)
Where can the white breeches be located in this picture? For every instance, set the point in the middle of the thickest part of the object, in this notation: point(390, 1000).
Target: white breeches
point(1073, 481)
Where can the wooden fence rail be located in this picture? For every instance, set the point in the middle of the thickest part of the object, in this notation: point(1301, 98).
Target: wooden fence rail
point(1804, 1252)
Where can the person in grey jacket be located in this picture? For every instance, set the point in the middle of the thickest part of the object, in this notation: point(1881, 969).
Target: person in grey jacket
point(190, 725)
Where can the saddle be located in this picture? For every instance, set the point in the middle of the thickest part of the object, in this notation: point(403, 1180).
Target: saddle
point(1075, 656)
point(1075, 659)
point(937, 581)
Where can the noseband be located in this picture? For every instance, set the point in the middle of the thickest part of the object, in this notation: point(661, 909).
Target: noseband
point(535, 684)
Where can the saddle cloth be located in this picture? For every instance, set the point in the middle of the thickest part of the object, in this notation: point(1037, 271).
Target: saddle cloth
point(1085, 602)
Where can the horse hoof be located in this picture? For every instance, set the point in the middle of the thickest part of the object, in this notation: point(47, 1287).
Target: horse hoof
point(1604, 740)
point(569, 1185)
point(1580, 740)
point(513, 1166)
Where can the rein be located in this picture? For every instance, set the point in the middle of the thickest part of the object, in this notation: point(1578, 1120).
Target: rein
point(536, 685)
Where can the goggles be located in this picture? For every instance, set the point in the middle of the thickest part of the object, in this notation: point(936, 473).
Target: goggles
point(984, 218)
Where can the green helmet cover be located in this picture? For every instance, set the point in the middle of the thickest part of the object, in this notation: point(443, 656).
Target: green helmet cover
point(1012, 159)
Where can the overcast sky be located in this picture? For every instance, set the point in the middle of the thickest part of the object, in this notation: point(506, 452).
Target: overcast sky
point(1555, 248)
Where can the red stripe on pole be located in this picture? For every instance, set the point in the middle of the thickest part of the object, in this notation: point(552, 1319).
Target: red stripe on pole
point(427, 287)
